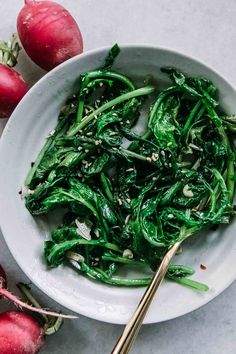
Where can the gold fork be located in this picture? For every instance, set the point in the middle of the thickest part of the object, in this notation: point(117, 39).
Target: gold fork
point(132, 328)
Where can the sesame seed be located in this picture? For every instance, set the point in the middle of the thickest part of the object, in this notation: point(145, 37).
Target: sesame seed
point(187, 191)
point(195, 147)
point(154, 158)
point(127, 219)
point(119, 201)
point(89, 133)
point(128, 121)
point(163, 153)
point(149, 159)
point(96, 233)
point(128, 200)
point(75, 256)
point(170, 164)
point(86, 150)
point(129, 169)
point(80, 148)
point(128, 254)
point(101, 84)
point(169, 143)
point(84, 162)
point(114, 148)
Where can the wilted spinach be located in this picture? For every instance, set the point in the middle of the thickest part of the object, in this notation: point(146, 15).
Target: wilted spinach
point(129, 197)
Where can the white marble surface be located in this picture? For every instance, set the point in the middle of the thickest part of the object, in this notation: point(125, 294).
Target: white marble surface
point(202, 28)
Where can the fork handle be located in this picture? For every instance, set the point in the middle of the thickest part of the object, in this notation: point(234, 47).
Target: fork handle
point(132, 328)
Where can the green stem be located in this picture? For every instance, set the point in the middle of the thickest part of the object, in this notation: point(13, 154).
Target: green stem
point(106, 187)
point(99, 74)
point(189, 282)
point(230, 176)
point(24, 289)
point(110, 75)
point(79, 114)
point(134, 155)
point(191, 118)
point(108, 245)
point(107, 257)
point(54, 328)
point(114, 280)
point(147, 134)
point(217, 121)
point(9, 51)
point(133, 282)
point(124, 97)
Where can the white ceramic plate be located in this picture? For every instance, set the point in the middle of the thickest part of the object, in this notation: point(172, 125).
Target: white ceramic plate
point(23, 137)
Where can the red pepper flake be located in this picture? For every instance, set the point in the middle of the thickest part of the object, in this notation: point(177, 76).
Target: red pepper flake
point(203, 267)
point(32, 164)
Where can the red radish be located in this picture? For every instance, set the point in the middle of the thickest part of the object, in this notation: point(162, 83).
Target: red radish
point(12, 89)
point(20, 334)
point(48, 33)
point(12, 85)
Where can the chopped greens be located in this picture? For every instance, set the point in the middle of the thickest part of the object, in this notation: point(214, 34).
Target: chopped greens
point(129, 197)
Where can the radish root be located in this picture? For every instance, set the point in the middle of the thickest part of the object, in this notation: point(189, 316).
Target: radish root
point(8, 295)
